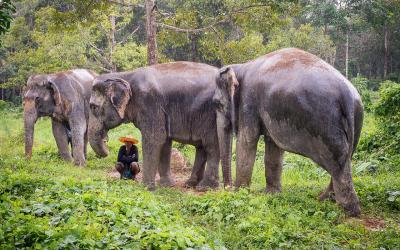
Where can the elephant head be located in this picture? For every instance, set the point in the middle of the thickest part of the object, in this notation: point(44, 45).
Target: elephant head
point(41, 98)
point(107, 110)
point(225, 106)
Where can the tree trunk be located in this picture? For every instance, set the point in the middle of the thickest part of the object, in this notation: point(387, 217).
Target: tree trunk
point(385, 63)
point(347, 55)
point(193, 38)
point(151, 32)
point(112, 43)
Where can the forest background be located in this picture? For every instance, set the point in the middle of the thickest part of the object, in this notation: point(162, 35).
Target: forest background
point(361, 38)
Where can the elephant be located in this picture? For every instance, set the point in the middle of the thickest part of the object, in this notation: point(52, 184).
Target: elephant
point(300, 104)
point(170, 101)
point(64, 97)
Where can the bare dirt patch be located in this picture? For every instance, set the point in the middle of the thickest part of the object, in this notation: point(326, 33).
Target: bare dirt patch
point(369, 223)
point(374, 224)
point(180, 171)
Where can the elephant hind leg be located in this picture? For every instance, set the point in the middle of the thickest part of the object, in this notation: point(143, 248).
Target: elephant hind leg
point(273, 160)
point(246, 148)
point(198, 168)
point(211, 174)
point(85, 143)
point(329, 193)
point(60, 135)
point(345, 194)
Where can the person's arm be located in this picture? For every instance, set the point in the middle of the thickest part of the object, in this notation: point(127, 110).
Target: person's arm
point(135, 155)
point(122, 158)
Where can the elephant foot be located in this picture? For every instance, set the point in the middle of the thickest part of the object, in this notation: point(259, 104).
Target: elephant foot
point(352, 209)
point(191, 183)
point(67, 158)
point(205, 185)
point(327, 195)
point(80, 163)
point(273, 189)
point(150, 185)
point(167, 182)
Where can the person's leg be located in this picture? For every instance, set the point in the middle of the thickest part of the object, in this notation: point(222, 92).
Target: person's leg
point(135, 169)
point(119, 166)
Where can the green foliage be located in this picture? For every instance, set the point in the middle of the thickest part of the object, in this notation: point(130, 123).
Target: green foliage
point(3, 105)
point(7, 8)
point(388, 111)
point(388, 105)
point(361, 85)
point(304, 37)
point(46, 202)
point(249, 47)
point(130, 56)
point(379, 147)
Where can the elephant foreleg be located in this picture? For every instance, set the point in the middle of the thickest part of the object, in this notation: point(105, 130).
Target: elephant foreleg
point(198, 168)
point(165, 168)
point(151, 160)
point(273, 160)
point(78, 134)
point(60, 135)
point(246, 147)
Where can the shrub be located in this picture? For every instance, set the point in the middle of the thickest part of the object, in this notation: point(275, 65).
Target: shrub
point(3, 105)
point(361, 85)
point(384, 142)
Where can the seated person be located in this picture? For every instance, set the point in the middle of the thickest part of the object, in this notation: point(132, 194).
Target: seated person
point(128, 157)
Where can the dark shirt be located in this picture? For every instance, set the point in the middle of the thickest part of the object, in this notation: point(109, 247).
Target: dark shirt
point(128, 157)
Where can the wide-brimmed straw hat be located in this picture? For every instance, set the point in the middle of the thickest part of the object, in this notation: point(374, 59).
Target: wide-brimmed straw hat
point(128, 138)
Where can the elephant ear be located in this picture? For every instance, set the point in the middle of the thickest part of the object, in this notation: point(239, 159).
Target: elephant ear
point(228, 80)
point(119, 92)
point(55, 91)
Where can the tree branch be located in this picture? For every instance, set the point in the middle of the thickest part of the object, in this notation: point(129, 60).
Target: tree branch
point(185, 30)
point(199, 30)
point(126, 38)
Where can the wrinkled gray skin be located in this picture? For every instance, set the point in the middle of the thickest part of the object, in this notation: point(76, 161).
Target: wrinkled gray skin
point(171, 101)
point(65, 98)
point(300, 104)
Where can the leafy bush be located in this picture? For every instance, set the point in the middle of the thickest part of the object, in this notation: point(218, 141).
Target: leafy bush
point(361, 85)
point(3, 105)
point(382, 142)
point(388, 111)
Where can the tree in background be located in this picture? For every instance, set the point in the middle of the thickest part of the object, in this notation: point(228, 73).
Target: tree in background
point(113, 35)
point(6, 10)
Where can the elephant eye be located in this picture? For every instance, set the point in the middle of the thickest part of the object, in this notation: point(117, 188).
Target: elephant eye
point(94, 108)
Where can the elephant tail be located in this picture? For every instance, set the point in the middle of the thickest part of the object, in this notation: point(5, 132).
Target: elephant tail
point(353, 115)
point(358, 122)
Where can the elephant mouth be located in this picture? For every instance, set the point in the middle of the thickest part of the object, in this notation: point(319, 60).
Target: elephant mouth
point(98, 142)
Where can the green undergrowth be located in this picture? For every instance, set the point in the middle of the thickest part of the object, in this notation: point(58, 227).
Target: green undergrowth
point(47, 203)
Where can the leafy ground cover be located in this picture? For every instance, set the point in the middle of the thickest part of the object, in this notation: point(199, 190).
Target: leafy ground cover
point(47, 203)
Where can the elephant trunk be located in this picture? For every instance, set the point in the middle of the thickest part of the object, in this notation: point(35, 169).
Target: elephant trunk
point(233, 114)
point(97, 136)
point(30, 117)
point(224, 129)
